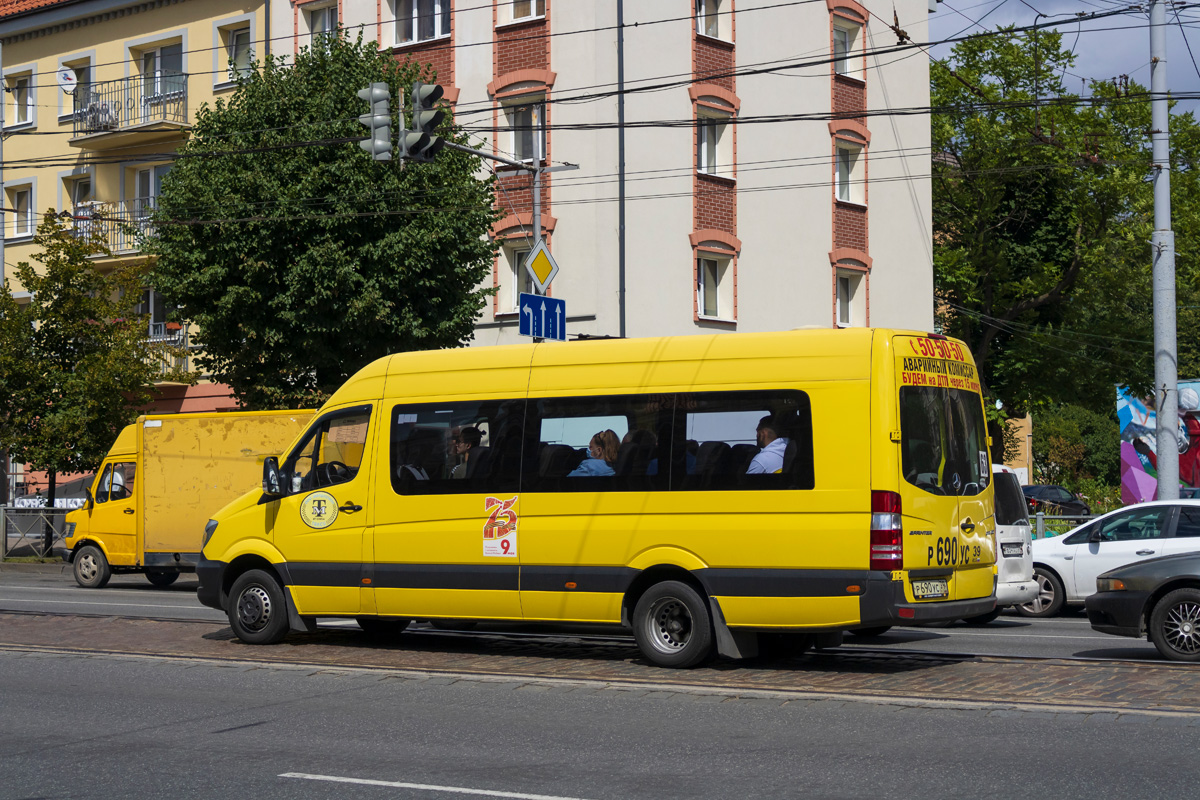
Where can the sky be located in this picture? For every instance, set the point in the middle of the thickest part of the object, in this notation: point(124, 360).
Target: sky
point(1104, 48)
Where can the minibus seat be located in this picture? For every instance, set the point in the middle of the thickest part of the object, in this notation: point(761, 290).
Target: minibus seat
point(789, 454)
point(741, 457)
point(554, 460)
point(713, 459)
point(478, 463)
point(633, 458)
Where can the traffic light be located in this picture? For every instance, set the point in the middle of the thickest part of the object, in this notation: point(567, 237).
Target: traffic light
point(379, 121)
point(421, 144)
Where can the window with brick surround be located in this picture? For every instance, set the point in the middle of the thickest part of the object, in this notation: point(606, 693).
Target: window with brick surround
point(714, 143)
point(708, 18)
point(851, 301)
point(526, 122)
point(849, 186)
point(714, 286)
point(847, 48)
point(527, 9)
point(421, 20)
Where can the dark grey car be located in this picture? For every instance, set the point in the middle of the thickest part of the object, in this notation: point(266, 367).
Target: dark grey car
point(1054, 500)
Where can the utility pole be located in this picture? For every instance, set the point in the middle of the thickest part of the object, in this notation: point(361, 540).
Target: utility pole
point(1166, 355)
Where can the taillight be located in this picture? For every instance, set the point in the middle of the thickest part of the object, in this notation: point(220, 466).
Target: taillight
point(887, 537)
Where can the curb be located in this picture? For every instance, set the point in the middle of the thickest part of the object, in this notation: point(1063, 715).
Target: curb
point(20, 566)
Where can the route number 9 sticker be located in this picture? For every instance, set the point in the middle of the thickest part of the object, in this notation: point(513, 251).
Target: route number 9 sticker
point(500, 530)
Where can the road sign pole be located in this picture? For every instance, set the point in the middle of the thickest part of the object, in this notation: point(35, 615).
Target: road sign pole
point(537, 210)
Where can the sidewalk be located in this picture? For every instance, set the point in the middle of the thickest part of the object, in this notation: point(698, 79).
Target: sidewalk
point(1047, 685)
point(56, 568)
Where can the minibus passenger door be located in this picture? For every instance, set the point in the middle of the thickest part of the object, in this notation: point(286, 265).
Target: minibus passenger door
point(321, 522)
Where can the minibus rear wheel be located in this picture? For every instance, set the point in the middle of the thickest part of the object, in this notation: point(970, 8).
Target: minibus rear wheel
point(257, 610)
point(91, 567)
point(162, 577)
point(382, 626)
point(672, 625)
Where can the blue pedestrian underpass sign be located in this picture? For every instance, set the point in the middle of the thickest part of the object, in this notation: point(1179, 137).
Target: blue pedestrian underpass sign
point(543, 317)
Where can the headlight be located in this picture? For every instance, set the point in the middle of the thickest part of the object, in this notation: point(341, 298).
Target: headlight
point(1110, 585)
point(70, 530)
point(209, 530)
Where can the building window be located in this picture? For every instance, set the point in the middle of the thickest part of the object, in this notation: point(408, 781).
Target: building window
point(20, 90)
point(849, 173)
point(80, 189)
point(851, 303)
point(525, 9)
point(421, 20)
point(162, 73)
point(714, 287)
point(708, 16)
point(713, 154)
point(847, 53)
point(83, 87)
point(148, 187)
point(21, 199)
point(237, 46)
point(527, 123)
point(517, 278)
point(323, 23)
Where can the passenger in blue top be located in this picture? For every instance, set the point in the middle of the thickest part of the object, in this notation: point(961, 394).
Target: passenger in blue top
point(602, 454)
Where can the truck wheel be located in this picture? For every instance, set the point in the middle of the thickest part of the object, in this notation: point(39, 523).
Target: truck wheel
point(257, 610)
point(91, 567)
point(162, 577)
point(1175, 625)
point(672, 625)
point(382, 626)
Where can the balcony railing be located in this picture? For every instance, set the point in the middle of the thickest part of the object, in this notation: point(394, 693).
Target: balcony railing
point(120, 225)
point(170, 345)
point(113, 106)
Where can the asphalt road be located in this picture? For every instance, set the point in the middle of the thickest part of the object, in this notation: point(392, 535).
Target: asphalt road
point(1010, 635)
point(104, 726)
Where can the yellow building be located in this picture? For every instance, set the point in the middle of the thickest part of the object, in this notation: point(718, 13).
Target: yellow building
point(98, 97)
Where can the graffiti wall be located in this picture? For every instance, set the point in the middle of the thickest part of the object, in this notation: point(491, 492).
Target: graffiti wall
point(1139, 461)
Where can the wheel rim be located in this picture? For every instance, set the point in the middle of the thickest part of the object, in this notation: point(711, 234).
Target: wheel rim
point(1181, 628)
point(254, 608)
point(1045, 595)
point(88, 568)
point(669, 625)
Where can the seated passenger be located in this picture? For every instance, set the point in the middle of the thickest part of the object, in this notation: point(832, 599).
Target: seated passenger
point(770, 458)
point(468, 439)
point(602, 454)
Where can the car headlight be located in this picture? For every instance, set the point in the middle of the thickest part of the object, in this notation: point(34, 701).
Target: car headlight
point(1110, 585)
point(209, 530)
point(70, 530)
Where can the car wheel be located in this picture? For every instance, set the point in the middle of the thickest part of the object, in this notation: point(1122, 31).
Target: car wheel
point(878, 630)
point(1049, 600)
point(162, 577)
point(1175, 625)
point(983, 619)
point(672, 625)
point(257, 610)
point(382, 626)
point(91, 567)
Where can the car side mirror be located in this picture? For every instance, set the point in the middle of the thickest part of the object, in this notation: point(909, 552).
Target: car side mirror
point(90, 501)
point(1094, 536)
point(272, 483)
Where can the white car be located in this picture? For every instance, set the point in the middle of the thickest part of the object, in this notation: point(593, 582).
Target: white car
point(1015, 584)
point(1066, 567)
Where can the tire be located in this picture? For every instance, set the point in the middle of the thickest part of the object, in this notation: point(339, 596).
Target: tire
point(382, 626)
point(878, 630)
point(257, 608)
point(983, 619)
point(91, 567)
point(672, 625)
point(1049, 600)
point(453, 624)
point(162, 578)
point(1175, 625)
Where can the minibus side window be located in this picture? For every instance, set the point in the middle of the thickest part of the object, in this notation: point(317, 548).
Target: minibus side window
point(331, 453)
point(458, 447)
point(102, 486)
point(123, 476)
point(742, 441)
point(597, 444)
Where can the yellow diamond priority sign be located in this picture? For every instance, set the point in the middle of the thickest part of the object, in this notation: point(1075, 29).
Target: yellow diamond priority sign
point(541, 267)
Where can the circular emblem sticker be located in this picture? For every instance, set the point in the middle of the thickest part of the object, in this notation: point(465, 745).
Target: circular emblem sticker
point(318, 510)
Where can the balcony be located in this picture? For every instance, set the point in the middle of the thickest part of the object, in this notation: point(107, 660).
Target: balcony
point(120, 225)
point(138, 110)
point(170, 346)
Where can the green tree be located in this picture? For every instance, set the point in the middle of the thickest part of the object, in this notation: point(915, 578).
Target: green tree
point(1072, 445)
point(75, 361)
point(297, 257)
point(1042, 219)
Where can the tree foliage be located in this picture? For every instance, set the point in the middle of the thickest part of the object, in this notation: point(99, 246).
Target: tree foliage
point(1042, 222)
point(1072, 444)
point(297, 257)
point(75, 361)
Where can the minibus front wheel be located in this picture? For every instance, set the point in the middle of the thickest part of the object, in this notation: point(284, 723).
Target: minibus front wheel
point(91, 567)
point(257, 609)
point(672, 625)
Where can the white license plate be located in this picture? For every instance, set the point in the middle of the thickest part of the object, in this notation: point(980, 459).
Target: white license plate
point(928, 590)
point(1011, 550)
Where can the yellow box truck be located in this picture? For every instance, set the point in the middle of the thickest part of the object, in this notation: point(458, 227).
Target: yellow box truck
point(159, 484)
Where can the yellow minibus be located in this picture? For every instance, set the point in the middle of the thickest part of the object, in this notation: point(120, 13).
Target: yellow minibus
point(701, 490)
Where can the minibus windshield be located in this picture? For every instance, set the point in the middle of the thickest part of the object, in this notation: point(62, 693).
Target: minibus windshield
point(943, 440)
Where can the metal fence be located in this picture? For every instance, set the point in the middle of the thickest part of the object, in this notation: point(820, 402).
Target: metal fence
point(119, 225)
point(158, 96)
point(25, 530)
point(1046, 526)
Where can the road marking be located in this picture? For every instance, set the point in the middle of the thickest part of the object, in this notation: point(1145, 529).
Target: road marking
point(425, 787)
point(87, 603)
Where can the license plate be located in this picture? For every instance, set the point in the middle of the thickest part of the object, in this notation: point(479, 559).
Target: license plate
point(928, 590)
point(1014, 549)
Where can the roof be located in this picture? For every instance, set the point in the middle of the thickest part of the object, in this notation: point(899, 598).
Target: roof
point(11, 8)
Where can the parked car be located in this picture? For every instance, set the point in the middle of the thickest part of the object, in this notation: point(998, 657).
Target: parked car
point(1066, 567)
point(1158, 598)
point(1015, 584)
point(1054, 500)
point(1189, 493)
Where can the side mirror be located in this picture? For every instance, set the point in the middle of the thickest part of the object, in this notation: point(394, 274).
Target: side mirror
point(272, 484)
point(87, 491)
point(1094, 536)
